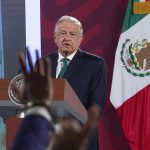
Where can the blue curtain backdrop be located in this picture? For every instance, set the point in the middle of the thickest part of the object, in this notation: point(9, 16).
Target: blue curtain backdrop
point(1, 48)
point(2, 125)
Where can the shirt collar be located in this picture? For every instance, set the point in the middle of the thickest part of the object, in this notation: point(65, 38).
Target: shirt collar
point(70, 57)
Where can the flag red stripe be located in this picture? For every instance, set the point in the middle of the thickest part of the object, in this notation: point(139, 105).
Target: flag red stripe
point(135, 118)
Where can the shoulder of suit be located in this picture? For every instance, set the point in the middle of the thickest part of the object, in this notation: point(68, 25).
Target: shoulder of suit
point(91, 56)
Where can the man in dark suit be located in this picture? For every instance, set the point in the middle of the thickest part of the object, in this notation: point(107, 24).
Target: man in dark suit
point(85, 72)
point(36, 127)
point(86, 75)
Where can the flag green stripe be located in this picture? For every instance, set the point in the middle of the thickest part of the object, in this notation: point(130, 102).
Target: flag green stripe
point(130, 18)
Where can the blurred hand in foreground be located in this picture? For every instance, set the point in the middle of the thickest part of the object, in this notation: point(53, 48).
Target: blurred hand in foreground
point(38, 86)
point(70, 135)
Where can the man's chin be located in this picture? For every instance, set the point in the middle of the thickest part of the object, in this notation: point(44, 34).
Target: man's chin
point(66, 52)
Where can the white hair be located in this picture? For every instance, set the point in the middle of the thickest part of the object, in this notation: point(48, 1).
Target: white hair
point(68, 18)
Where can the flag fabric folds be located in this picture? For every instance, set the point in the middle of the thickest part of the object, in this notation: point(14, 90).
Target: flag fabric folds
point(130, 92)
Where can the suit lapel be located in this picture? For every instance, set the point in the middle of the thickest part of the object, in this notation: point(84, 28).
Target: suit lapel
point(74, 64)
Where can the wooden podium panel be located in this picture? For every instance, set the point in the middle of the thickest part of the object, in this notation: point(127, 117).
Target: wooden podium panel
point(4, 89)
point(65, 103)
point(12, 124)
point(7, 108)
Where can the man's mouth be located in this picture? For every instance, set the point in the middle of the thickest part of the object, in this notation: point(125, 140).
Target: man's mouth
point(66, 44)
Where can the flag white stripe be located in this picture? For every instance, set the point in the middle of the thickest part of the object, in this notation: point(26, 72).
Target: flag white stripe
point(124, 84)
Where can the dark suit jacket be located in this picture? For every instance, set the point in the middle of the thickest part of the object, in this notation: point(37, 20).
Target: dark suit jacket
point(86, 74)
point(33, 134)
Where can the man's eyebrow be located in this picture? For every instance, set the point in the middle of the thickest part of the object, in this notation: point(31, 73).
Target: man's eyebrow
point(62, 31)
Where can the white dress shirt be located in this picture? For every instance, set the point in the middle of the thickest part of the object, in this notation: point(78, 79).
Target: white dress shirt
point(60, 63)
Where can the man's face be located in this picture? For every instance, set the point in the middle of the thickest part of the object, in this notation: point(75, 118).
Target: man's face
point(67, 37)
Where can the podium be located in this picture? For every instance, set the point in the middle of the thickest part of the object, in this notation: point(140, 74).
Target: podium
point(65, 103)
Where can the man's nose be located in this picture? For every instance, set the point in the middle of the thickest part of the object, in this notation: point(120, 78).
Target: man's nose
point(67, 36)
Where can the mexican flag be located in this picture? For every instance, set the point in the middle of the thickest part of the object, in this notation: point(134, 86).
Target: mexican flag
point(130, 92)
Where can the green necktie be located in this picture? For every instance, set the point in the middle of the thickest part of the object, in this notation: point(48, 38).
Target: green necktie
point(63, 69)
